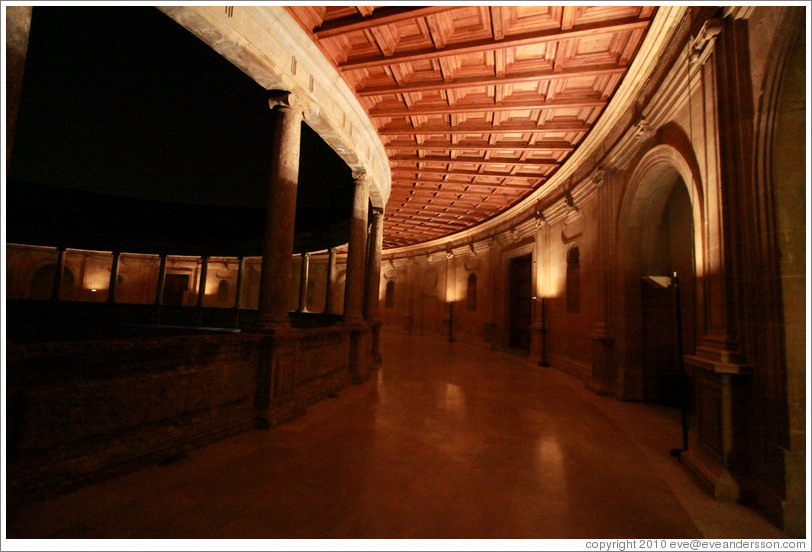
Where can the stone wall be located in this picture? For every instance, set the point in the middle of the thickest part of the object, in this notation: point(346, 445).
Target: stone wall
point(85, 410)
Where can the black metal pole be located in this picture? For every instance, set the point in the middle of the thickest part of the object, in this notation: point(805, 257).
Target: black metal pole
point(682, 377)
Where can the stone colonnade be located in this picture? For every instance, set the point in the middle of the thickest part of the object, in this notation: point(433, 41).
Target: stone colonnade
point(281, 342)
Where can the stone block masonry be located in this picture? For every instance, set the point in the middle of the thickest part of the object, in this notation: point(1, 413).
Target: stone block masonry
point(83, 411)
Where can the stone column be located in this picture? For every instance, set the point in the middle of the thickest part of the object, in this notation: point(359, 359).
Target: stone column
point(372, 306)
point(238, 295)
point(360, 342)
point(328, 292)
point(60, 268)
point(18, 27)
point(240, 282)
point(603, 376)
point(278, 347)
point(201, 284)
point(277, 250)
point(111, 288)
point(303, 275)
point(373, 279)
point(354, 289)
point(159, 289)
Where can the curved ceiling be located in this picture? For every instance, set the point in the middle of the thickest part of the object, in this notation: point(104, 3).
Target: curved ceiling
point(477, 106)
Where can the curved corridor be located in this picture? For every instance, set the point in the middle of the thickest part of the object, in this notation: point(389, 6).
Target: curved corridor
point(445, 441)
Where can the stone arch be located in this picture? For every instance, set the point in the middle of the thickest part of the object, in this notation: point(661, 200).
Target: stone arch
point(644, 199)
point(778, 349)
point(42, 283)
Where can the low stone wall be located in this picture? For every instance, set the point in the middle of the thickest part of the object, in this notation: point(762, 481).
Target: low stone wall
point(82, 411)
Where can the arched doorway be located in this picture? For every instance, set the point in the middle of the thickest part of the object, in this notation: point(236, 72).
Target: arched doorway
point(42, 284)
point(667, 251)
point(659, 233)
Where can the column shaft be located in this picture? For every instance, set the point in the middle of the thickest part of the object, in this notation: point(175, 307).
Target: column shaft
point(240, 275)
point(328, 292)
point(277, 251)
point(201, 284)
point(111, 288)
point(373, 279)
point(303, 276)
point(60, 268)
point(356, 254)
point(159, 289)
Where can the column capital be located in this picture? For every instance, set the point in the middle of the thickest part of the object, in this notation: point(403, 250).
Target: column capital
point(281, 99)
point(359, 174)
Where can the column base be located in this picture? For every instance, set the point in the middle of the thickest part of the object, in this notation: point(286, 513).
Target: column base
point(376, 343)
point(601, 381)
point(719, 453)
point(712, 475)
point(276, 416)
point(361, 358)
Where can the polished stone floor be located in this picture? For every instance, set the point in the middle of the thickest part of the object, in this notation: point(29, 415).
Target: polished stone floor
point(445, 441)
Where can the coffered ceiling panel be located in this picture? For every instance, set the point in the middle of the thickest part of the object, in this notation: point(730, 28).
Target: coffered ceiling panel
point(477, 106)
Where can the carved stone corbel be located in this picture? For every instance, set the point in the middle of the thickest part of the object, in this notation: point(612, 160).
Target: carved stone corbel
point(702, 44)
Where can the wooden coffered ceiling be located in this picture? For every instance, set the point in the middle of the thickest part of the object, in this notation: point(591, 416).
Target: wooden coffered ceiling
point(477, 106)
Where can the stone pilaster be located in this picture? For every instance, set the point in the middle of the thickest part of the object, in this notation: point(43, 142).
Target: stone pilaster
point(602, 379)
point(719, 452)
point(277, 250)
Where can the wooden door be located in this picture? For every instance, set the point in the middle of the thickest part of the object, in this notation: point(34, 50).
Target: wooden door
point(520, 302)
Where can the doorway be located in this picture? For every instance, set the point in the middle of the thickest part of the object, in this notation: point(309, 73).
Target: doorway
point(520, 304)
point(667, 250)
point(175, 286)
point(42, 284)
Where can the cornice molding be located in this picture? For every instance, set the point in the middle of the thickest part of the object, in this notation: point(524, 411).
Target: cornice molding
point(268, 45)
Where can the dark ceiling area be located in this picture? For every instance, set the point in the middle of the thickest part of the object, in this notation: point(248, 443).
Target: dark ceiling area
point(133, 133)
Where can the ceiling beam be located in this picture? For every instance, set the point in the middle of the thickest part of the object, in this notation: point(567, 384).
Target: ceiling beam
point(485, 107)
point(434, 221)
point(381, 16)
point(476, 161)
point(539, 37)
point(538, 146)
point(445, 209)
point(491, 80)
point(432, 186)
point(460, 172)
point(409, 182)
point(487, 128)
point(453, 198)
